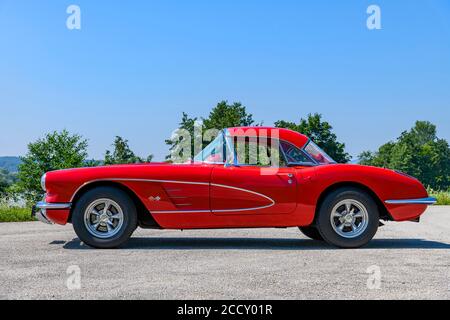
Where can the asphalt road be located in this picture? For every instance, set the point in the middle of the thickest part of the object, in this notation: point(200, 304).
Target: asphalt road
point(404, 261)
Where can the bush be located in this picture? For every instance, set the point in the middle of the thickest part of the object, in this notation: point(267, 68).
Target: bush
point(15, 214)
point(443, 197)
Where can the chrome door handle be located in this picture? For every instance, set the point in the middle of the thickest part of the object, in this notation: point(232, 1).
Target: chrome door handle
point(290, 175)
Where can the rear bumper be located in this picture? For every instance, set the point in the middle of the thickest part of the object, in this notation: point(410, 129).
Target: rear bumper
point(425, 201)
point(45, 212)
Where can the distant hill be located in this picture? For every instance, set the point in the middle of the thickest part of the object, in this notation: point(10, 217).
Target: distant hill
point(9, 163)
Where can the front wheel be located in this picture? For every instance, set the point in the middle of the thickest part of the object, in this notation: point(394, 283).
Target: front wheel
point(104, 218)
point(348, 218)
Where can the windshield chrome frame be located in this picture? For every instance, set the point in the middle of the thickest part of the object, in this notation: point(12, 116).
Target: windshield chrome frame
point(203, 149)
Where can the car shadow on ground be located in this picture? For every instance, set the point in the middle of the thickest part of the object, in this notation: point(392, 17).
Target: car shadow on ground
point(179, 243)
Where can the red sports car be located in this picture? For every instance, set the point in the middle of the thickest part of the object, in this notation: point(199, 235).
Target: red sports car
point(254, 177)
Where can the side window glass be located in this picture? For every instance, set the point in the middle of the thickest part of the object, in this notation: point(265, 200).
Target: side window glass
point(253, 151)
point(293, 154)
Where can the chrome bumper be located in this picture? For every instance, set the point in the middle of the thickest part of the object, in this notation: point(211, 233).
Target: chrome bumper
point(425, 201)
point(39, 211)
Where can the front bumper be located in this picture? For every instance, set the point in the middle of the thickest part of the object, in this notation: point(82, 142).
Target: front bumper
point(425, 201)
point(39, 211)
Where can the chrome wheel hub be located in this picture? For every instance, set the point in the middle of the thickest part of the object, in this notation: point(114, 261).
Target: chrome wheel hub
point(103, 218)
point(349, 218)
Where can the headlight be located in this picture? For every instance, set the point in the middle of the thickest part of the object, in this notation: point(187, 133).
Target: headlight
point(43, 183)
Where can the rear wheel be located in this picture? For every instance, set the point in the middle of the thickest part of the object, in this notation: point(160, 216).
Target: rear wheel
point(104, 218)
point(311, 232)
point(348, 218)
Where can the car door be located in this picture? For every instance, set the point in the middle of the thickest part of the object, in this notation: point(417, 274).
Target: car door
point(251, 190)
point(257, 181)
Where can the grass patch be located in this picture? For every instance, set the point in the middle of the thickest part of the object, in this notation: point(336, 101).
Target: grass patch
point(443, 197)
point(15, 214)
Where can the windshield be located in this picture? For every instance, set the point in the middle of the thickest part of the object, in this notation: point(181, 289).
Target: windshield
point(318, 154)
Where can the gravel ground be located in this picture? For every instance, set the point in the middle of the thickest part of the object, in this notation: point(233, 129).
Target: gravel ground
point(43, 262)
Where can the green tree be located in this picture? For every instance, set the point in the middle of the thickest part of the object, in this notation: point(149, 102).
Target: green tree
point(222, 116)
point(418, 152)
point(225, 115)
point(321, 133)
point(4, 181)
point(57, 150)
point(122, 154)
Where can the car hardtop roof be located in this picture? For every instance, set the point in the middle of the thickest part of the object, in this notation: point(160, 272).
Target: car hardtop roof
point(294, 137)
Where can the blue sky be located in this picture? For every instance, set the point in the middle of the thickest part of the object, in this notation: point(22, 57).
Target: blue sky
point(135, 66)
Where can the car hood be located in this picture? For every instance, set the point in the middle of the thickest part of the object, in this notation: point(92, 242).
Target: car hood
point(114, 167)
